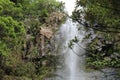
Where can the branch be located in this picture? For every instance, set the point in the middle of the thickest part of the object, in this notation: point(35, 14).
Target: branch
point(83, 48)
point(86, 25)
point(77, 53)
point(110, 31)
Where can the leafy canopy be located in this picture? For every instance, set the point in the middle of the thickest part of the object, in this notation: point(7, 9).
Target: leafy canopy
point(103, 17)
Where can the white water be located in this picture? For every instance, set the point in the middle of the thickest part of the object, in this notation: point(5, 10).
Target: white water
point(73, 62)
point(72, 65)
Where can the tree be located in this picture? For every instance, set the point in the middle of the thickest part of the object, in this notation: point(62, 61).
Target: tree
point(24, 37)
point(102, 16)
point(11, 34)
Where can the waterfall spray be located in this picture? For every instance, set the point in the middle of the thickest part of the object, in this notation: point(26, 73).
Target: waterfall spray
point(72, 59)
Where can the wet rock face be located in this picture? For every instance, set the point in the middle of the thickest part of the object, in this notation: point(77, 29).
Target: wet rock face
point(72, 66)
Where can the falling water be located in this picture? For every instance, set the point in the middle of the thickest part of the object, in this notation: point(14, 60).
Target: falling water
point(73, 58)
point(72, 66)
point(72, 63)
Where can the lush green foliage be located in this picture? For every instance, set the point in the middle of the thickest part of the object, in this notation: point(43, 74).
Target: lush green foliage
point(103, 17)
point(8, 8)
point(26, 30)
point(11, 34)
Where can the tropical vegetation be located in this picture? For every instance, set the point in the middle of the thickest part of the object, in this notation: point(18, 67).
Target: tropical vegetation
point(26, 30)
point(101, 19)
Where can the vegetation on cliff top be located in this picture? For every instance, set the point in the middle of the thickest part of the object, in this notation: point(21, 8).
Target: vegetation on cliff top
point(26, 30)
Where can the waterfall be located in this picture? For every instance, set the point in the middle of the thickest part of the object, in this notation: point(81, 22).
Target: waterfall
point(73, 61)
point(72, 58)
